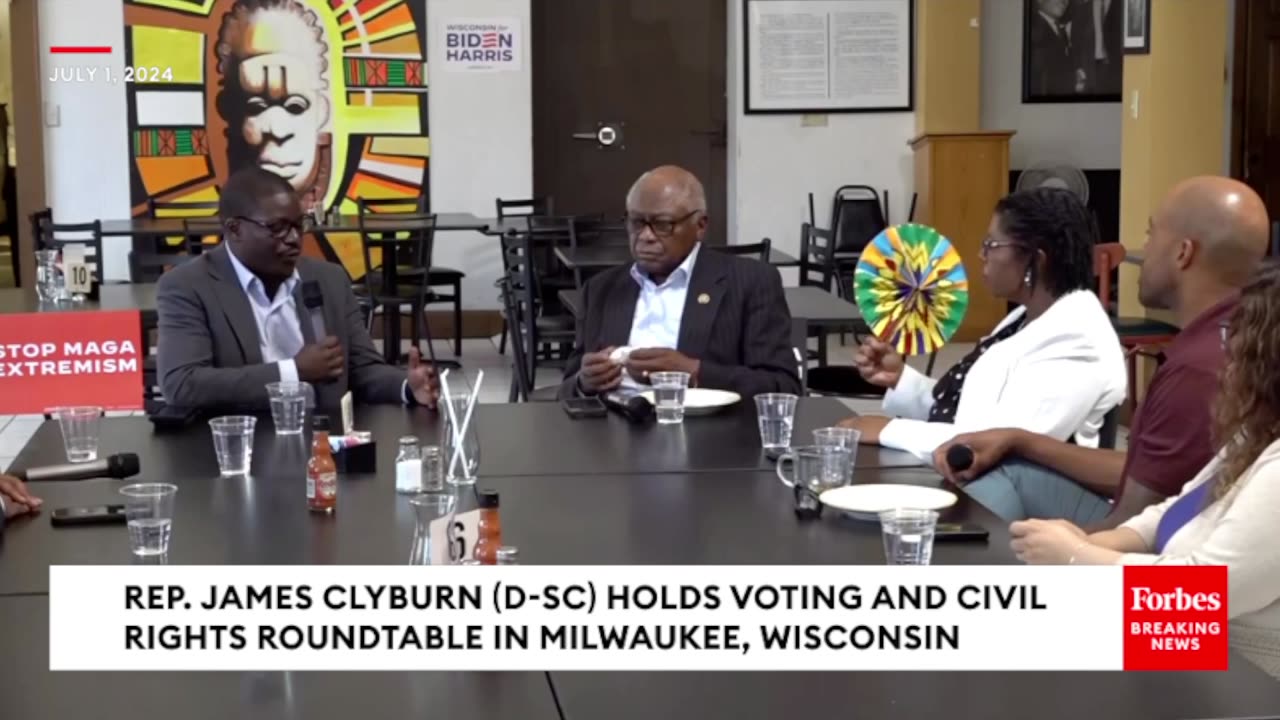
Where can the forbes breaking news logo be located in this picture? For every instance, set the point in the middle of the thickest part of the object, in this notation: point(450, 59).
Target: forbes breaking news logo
point(1175, 618)
point(472, 43)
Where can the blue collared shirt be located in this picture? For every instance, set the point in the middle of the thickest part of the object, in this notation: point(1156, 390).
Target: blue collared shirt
point(659, 309)
point(280, 314)
point(279, 330)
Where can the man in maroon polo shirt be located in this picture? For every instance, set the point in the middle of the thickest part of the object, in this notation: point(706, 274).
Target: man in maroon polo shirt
point(1203, 243)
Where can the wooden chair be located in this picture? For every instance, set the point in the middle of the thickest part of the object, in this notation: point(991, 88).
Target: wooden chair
point(1140, 336)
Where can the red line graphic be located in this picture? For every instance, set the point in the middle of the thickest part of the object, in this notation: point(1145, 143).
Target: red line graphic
point(80, 49)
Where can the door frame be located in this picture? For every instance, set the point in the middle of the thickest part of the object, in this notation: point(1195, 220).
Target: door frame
point(1239, 86)
point(28, 128)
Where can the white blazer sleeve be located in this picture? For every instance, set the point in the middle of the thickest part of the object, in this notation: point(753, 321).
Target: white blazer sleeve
point(1050, 392)
point(913, 397)
point(1243, 538)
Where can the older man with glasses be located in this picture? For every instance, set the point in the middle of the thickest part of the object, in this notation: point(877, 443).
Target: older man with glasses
point(681, 307)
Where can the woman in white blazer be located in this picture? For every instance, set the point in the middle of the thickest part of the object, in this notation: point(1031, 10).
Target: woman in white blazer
point(1053, 366)
point(1230, 513)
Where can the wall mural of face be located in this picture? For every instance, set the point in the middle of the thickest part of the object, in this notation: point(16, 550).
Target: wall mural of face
point(273, 62)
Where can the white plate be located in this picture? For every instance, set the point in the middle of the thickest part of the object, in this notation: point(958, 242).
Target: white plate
point(703, 401)
point(866, 502)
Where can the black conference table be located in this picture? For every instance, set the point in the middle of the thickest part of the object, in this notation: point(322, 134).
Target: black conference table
point(730, 511)
point(111, 296)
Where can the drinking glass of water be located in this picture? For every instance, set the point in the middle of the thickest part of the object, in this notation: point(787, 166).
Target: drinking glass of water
point(80, 428)
point(233, 442)
point(837, 437)
point(668, 396)
point(148, 508)
point(777, 413)
point(289, 406)
point(908, 535)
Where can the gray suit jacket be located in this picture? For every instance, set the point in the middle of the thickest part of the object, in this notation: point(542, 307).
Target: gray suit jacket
point(209, 356)
point(742, 333)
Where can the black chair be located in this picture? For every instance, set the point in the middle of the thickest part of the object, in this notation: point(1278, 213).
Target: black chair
point(760, 249)
point(54, 236)
point(800, 344)
point(145, 267)
point(437, 276)
point(522, 382)
point(548, 232)
point(537, 331)
point(404, 242)
point(530, 206)
point(148, 267)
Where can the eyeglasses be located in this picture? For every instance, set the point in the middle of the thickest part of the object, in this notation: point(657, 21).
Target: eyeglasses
point(281, 228)
point(662, 227)
point(988, 245)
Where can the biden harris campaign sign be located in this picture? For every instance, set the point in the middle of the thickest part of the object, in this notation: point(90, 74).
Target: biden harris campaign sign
point(482, 45)
point(70, 358)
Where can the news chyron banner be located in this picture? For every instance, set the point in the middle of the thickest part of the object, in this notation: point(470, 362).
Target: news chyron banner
point(70, 358)
point(637, 618)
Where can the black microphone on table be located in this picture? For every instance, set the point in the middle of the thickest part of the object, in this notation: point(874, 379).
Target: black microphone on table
point(960, 457)
point(313, 301)
point(634, 408)
point(117, 467)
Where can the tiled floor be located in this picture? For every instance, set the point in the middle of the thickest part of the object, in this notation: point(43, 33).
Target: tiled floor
point(478, 355)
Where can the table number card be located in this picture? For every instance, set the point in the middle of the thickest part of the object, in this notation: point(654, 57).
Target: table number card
point(76, 270)
point(449, 547)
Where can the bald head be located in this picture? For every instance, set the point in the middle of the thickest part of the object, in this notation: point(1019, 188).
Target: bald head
point(672, 184)
point(1208, 233)
point(666, 218)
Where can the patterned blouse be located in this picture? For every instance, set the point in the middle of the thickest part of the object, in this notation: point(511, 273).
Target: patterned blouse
point(946, 393)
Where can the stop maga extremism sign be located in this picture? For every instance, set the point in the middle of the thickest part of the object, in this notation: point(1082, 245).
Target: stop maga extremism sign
point(70, 358)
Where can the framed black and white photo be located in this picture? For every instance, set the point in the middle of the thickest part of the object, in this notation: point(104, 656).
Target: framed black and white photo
point(828, 56)
point(1137, 27)
point(1073, 50)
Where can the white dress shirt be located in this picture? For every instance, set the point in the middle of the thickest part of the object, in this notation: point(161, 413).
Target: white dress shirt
point(1239, 531)
point(659, 308)
point(279, 330)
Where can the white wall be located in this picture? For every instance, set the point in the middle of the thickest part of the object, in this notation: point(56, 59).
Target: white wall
point(481, 127)
point(1083, 134)
point(774, 162)
point(86, 146)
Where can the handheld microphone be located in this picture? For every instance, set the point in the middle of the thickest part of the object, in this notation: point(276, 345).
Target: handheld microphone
point(313, 300)
point(117, 467)
point(960, 457)
point(634, 408)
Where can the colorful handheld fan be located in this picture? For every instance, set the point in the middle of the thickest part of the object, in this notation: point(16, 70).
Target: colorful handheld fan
point(911, 288)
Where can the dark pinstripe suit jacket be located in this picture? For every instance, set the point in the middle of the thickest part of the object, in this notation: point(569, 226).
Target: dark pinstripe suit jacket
point(742, 335)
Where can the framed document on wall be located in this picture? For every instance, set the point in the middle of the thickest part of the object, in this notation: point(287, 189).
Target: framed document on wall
point(828, 56)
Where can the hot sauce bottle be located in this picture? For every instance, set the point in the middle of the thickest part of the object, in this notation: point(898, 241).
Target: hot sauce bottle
point(488, 529)
point(322, 472)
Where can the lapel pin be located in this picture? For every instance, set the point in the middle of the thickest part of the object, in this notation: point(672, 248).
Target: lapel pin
point(703, 299)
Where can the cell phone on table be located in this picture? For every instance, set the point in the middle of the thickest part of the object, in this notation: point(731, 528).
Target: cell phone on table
point(585, 407)
point(88, 515)
point(959, 532)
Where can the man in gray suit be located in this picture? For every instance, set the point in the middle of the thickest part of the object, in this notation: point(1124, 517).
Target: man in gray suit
point(681, 306)
point(233, 319)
